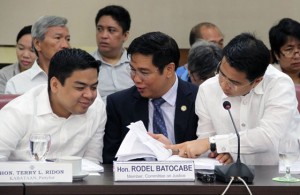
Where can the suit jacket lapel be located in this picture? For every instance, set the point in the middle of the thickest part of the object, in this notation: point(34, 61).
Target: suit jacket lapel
point(184, 107)
point(140, 108)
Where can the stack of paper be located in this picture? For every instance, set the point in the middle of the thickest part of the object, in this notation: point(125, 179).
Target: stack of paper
point(138, 144)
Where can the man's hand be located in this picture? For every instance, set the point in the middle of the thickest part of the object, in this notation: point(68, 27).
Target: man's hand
point(224, 158)
point(191, 149)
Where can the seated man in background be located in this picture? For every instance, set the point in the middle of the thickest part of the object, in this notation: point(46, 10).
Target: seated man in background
point(25, 55)
point(112, 30)
point(284, 40)
point(203, 60)
point(50, 35)
point(263, 105)
point(68, 109)
point(154, 59)
point(206, 31)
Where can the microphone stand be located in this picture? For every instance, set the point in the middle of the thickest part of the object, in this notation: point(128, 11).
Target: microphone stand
point(238, 160)
point(238, 169)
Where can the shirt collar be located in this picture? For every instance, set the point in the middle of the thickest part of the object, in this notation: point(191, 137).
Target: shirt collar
point(43, 102)
point(171, 95)
point(124, 58)
point(16, 68)
point(36, 70)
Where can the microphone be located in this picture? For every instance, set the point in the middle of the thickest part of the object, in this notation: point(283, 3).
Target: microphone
point(227, 106)
point(237, 169)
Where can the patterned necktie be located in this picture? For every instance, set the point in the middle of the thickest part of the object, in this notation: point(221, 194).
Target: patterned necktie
point(159, 125)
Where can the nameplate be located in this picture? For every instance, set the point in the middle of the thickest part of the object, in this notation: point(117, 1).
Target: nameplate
point(154, 171)
point(16, 172)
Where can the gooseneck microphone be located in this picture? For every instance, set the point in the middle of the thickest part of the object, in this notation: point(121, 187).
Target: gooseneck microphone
point(238, 169)
point(227, 107)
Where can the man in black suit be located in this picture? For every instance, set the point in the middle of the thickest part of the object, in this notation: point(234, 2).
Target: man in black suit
point(154, 60)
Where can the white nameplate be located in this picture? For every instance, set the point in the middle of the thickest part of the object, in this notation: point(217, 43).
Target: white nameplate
point(154, 171)
point(16, 172)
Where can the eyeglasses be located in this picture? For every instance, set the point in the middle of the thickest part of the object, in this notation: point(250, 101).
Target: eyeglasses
point(232, 84)
point(290, 52)
point(142, 74)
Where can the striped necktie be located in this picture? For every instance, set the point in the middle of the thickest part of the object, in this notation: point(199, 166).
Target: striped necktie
point(159, 125)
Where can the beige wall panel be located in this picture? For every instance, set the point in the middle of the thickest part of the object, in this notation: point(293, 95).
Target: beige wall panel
point(174, 17)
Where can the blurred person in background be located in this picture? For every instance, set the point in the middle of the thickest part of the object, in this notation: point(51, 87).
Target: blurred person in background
point(206, 31)
point(203, 60)
point(50, 35)
point(284, 40)
point(25, 55)
point(112, 30)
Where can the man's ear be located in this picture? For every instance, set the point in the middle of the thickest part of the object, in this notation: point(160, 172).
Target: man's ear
point(36, 44)
point(257, 80)
point(170, 68)
point(54, 84)
point(126, 35)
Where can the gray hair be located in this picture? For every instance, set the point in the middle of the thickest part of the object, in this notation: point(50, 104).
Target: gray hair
point(203, 59)
point(41, 26)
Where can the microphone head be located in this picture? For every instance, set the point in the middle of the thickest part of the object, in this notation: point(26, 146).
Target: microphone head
point(226, 105)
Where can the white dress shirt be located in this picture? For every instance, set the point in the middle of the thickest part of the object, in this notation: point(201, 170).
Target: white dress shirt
point(26, 80)
point(113, 78)
point(78, 135)
point(168, 111)
point(262, 117)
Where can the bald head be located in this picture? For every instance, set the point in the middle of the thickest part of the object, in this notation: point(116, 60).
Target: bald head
point(208, 32)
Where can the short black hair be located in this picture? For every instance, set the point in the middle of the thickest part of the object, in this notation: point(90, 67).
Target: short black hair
point(66, 61)
point(24, 31)
point(118, 13)
point(162, 47)
point(279, 34)
point(247, 54)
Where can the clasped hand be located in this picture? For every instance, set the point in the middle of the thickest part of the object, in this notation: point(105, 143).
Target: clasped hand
point(192, 149)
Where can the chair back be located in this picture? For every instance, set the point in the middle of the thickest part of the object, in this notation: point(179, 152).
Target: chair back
point(5, 98)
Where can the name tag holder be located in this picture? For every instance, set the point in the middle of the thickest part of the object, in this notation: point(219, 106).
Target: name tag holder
point(46, 172)
point(154, 171)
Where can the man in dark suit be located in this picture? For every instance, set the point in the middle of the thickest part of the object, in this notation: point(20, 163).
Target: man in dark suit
point(154, 59)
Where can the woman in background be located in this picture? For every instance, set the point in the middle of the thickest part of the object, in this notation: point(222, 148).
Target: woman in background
point(25, 55)
point(285, 47)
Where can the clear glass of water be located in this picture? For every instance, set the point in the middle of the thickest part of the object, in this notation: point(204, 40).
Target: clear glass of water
point(289, 152)
point(39, 145)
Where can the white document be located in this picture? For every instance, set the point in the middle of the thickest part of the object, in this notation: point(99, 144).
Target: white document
point(90, 166)
point(199, 163)
point(138, 144)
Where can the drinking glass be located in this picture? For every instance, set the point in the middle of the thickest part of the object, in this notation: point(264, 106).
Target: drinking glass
point(289, 151)
point(39, 145)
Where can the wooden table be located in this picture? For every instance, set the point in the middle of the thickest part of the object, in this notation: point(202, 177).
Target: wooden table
point(104, 184)
point(12, 189)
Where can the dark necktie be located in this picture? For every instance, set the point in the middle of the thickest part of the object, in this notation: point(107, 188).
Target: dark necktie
point(159, 125)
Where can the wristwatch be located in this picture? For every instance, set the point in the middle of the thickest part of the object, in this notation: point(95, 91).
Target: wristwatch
point(212, 142)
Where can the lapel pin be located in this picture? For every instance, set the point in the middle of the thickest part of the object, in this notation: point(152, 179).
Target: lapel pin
point(183, 108)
